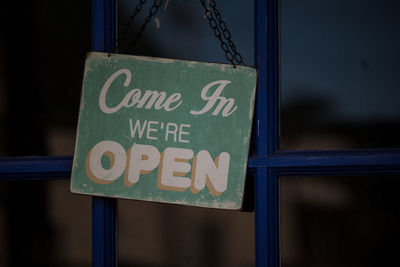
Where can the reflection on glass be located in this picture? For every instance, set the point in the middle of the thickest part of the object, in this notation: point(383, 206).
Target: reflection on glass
point(180, 30)
point(153, 234)
point(43, 224)
point(339, 74)
point(339, 221)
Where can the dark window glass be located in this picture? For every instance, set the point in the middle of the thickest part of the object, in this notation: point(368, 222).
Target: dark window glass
point(339, 221)
point(42, 52)
point(43, 224)
point(339, 74)
point(180, 30)
point(153, 234)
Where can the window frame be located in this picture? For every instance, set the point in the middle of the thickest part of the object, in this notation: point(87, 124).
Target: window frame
point(267, 164)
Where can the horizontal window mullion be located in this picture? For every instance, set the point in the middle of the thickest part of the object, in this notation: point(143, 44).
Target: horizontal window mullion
point(356, 160)
point(35, 168)
point(60, 167)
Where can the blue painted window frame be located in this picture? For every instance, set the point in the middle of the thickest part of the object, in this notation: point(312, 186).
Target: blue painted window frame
point(270, 162)
point(267, 164)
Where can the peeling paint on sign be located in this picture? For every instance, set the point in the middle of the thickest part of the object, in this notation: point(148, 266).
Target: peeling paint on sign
point(174, 133)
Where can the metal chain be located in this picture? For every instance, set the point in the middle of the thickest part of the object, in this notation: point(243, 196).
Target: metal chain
point(226, 33)
point(232, 56)
point(127, 25)
point(217, 24)
point(153, 10)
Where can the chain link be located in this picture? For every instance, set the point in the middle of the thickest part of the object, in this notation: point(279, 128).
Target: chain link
point(219, 25)
point(215, 21)
point(127, 25)
point(226, 32)
point(153, 10)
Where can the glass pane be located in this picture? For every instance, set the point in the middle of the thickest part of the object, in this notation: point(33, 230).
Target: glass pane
point(339, 74)
point(43, 224)
point(42, 52)
point(180, 30)
point(339, 221)
point(153, 234)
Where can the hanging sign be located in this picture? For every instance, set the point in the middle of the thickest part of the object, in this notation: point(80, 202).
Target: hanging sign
point(164, 130)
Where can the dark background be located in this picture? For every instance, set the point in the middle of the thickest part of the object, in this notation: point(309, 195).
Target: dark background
point(339, 90)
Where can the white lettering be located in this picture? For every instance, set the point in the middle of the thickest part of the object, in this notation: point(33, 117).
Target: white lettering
point(137, 128)
point(181, 132)
point(150, 98)
point(102, 99)
point(94, 167)
point(226, 104)
point(149, 130)
point(171, 131)
point(215, 175)
point(173, 164)
point(153, 95)
point(173, 167)
point(142, 159)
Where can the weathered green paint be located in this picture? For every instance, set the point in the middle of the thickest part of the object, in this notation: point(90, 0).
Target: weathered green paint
point(213, 133)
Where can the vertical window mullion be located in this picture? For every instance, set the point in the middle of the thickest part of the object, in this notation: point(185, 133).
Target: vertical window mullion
point(272, 75)
point(260, 43)
point(267, 132)
point(261, 233)
point(103, 209)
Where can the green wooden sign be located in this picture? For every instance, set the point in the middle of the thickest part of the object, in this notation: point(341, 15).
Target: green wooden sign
point(164, 130)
